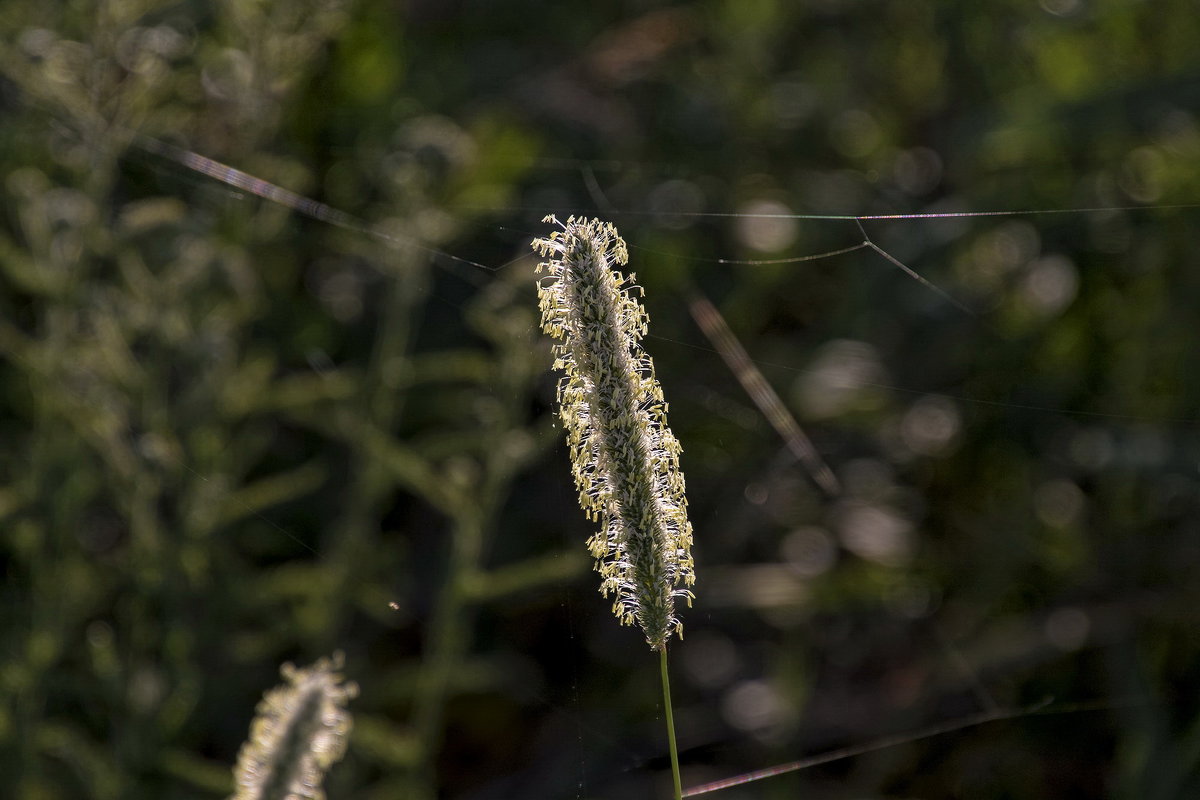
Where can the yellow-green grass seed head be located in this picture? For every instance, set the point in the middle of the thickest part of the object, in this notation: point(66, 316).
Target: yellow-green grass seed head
point(300, 730)
point(624, 457)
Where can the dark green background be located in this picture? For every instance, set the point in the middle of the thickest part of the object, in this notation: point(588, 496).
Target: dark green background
point(233, 435)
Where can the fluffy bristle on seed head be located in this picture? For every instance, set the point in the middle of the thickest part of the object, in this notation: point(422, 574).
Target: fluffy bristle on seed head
point(625, 459)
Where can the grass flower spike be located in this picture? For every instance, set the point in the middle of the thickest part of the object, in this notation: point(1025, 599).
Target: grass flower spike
point(298, 733)
point(625, 459)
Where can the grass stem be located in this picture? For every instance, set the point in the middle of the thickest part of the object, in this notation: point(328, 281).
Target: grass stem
point(666, 684)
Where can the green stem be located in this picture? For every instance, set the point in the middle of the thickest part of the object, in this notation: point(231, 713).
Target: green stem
point(670, 724)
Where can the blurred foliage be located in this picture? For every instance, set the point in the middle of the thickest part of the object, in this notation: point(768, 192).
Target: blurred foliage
point(235, 436)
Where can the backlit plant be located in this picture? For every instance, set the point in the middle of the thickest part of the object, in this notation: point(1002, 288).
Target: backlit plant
point(624, 457)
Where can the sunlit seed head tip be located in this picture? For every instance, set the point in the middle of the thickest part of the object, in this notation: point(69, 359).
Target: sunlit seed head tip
point(299, 731)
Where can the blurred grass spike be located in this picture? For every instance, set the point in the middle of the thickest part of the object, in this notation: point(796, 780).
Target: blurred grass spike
point(299, 731)
point(625, 459)
point(751, 378)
